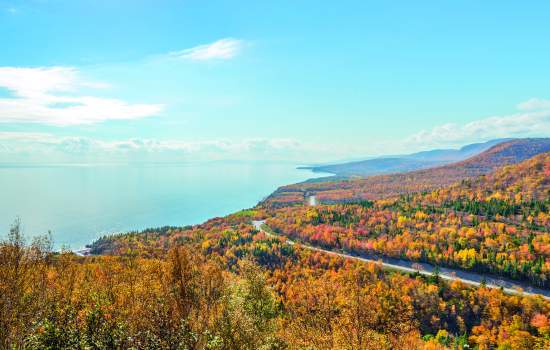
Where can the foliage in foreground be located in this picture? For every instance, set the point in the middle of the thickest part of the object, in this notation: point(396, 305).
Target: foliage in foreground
point(223, 285)
point(60, 301)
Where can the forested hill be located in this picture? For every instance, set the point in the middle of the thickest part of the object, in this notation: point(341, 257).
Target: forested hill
point(522, 182)
point(497, 224)
point(383, 186)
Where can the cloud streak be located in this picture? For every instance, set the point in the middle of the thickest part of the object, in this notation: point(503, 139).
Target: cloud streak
point(222, 49)
point(533, 119)
point(534, 104)
point(51, 96)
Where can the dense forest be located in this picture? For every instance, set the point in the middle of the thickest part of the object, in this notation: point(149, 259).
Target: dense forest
point(225, 285)
point(497, 224)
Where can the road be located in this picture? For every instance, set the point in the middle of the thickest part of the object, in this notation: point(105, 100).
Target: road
point(471, 278)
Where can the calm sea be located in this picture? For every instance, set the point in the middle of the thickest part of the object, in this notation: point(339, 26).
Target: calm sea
point(80, 203)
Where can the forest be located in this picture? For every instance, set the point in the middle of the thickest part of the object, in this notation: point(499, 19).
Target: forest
point(224, 285)
point(496, 224)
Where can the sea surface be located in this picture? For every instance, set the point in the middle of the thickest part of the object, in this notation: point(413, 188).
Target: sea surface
point(79, 203)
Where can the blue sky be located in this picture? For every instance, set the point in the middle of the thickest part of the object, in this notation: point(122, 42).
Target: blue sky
point(256, 80)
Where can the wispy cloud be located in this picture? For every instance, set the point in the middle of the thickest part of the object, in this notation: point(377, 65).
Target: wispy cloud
point(532, 120)
point(534, 104)
point(51, 96)
point(221, 49)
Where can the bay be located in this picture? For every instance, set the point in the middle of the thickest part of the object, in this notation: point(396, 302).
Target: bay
point(80, 202)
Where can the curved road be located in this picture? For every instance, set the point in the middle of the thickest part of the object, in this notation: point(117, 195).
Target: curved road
point(471, 278)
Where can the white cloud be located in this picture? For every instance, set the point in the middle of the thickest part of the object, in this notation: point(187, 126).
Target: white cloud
point(222, 49)
point(532, 121)
point(534, 104)
point(50, 96)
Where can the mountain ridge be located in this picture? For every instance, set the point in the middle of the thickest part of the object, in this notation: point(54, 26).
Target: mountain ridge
point(387, 185)
point(406, 162)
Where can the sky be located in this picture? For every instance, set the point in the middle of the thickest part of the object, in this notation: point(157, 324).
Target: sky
point(302, 81)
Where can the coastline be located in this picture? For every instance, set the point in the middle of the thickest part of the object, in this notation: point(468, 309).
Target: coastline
point(92, 201)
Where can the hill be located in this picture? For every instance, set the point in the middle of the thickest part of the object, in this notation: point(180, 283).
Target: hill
point(384, 186)
point(408, 162)
point(497, 224)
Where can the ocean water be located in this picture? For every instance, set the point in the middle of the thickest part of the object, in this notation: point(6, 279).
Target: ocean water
point(79, 203)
